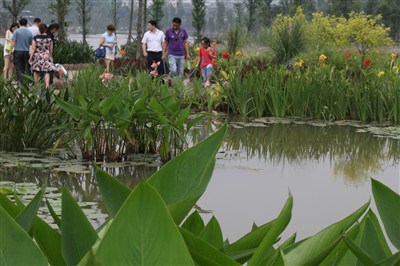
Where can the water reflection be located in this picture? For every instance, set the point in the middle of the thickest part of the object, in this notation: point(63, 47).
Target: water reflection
point(356, 156)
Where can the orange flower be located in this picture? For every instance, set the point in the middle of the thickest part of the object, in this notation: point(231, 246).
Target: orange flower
point(214, 43)
point(122, 52)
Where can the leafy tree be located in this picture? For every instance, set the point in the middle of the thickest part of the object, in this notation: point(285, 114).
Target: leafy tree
point(60, 9)
point(220, 13)
point(343, 7)
point(115, 6)
point(238, 9)
point(252, 6)
point(15, 7)
point(371, 6)
point(363, 31)
point(390, 10)
point(198, 15)
point(157, 11)
point(84, 8)
point(268, 14)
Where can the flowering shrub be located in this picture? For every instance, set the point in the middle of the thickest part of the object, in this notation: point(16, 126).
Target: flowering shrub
point(226, 55)
point(154, 66)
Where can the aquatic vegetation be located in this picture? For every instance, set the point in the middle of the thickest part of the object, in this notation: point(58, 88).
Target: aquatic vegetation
point(137, 231)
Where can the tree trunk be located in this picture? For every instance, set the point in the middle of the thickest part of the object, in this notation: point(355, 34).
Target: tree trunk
point(130, 24)
point(139, 30)
point(14, 13)
point(144, 16)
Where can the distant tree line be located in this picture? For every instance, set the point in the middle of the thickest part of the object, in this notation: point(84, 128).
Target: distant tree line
point(91, 16)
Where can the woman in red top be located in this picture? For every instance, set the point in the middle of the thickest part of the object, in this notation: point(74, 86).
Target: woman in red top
point(207, 55)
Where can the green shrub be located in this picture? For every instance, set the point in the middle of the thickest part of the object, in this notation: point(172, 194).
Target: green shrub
point(72, 52)
point(288, 36)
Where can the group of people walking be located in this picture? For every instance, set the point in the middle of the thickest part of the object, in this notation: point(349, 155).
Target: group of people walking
point(156, 45)
point(30, 49)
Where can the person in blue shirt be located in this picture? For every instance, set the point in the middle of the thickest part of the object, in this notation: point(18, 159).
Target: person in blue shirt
point(20, 41)
point(108, 40)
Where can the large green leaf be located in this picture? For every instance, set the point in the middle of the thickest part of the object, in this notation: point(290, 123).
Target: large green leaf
point(194, 223)
point(28, 214)
point(184, 179)
point(316, 248)
point(363, 257)
point(243, 248)
point(393, 260)
point(387, 202)
point(46, 237)
point(49, 242)
point(203, 253)
point(114, 192)
point(78, 235)
point(272, 235)
point(143, 233)
point(16, 246)
point(212, 234)
point(341, 255)
point(373, 241)
point(70, 108)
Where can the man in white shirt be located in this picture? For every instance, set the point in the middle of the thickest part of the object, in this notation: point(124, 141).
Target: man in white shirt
point(152, 43)
point(35, 27)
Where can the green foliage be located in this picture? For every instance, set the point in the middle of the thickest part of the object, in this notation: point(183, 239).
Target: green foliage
point(149, 233)
point(156, 11)
point(72, 52)
point(198, 16)
point(235, 38)
point(363, 31)
point(288, 36)
point(30, 118)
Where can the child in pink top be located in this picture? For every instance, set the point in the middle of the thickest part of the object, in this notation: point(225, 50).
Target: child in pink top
point(207, 55)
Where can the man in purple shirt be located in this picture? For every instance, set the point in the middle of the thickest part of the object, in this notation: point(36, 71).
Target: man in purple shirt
point(176, 41)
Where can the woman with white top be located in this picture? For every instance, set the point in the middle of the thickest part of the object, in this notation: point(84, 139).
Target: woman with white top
point(8, 62)
point(108, 40)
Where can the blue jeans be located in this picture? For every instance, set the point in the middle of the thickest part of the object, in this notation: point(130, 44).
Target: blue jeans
point(175, 65)
point(207, 72)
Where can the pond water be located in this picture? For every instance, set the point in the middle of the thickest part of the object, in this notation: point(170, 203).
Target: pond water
point(326, 168)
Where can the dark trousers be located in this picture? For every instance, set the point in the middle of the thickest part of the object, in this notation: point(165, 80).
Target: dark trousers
point(20, 59)
point(156, 57)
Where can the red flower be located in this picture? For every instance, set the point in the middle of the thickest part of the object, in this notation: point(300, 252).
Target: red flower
point(348, 55)
point(226, 55)
point(367, 62)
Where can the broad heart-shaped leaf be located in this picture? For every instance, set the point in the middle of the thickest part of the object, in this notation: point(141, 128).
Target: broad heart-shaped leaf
point(16, 246)
point(70, 108)
point(194, 223)
point(388, 202)
point(114, 192)
point(78, 235)
point(28, 214)
point(272, 235)
point(212, 234)
point(184, 179)
point(143, 233)
point(314, 249)
point(203, 253)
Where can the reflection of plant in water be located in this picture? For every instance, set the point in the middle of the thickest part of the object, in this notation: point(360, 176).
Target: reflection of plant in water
point(355, 155)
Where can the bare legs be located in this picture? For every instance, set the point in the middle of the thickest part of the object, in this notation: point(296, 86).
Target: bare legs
point(36, 77)
point(8, 68)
